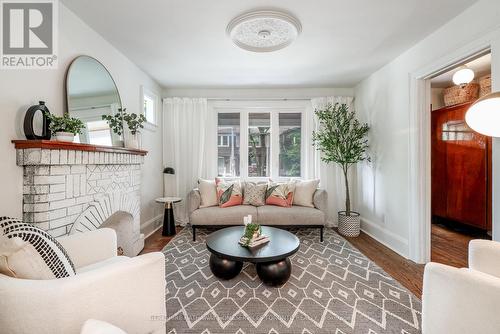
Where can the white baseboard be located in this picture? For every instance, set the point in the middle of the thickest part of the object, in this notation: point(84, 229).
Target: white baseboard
point(149, 222)
point(387, 238)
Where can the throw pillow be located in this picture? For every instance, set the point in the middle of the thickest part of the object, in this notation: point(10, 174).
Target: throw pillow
point(208, 192)
point(280, 194)
point(254, 193)
point(304, 192)
point(31, 253)
point(229, 193)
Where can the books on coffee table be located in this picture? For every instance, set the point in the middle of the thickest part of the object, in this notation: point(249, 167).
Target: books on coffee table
point(254, 242)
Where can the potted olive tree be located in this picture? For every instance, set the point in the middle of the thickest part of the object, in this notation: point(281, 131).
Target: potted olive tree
point(342, 139)
point(65, 128)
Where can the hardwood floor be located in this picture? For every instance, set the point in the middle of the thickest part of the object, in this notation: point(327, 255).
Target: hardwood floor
point(448, 247)
point(156, 242)
point(406, 272)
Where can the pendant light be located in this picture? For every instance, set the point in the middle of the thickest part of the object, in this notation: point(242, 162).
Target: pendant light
point(463, 76)
point(483, 115)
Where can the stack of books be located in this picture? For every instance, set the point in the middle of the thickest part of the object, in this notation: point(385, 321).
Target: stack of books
point(254, 242)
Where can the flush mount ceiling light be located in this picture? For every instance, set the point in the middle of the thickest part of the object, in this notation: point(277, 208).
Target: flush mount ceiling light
point(484, 115)
point(463, 76)
point(264, 30)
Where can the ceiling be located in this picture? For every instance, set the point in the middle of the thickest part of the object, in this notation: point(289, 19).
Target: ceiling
point(481, 66)
point(183, 43)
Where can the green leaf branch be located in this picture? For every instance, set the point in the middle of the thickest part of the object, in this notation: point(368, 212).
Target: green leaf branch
point(134, 122)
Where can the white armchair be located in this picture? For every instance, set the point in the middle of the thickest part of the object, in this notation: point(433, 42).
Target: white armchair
point(126, 292)
point(465, 300)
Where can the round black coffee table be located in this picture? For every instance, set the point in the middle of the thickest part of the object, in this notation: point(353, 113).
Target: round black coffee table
point(271, 259)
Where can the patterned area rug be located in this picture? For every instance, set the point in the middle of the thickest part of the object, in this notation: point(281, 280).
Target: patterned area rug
point(334, 288)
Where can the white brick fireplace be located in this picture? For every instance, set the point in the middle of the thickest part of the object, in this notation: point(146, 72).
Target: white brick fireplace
point(69, 191)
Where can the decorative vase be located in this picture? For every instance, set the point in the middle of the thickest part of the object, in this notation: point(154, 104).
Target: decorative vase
point(65, 136)
point(30, 125)
point(349, 226)
point(132, 141)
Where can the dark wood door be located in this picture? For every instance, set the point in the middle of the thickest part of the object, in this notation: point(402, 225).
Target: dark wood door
point(461, 165)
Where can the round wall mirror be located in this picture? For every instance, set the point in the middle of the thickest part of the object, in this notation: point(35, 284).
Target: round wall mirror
point(91, 93)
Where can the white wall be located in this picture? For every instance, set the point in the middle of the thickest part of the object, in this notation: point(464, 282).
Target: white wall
point(437, 99)
point(20, 89)
point(383, 100)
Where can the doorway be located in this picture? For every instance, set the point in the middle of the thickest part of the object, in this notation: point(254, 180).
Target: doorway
point(461, 182)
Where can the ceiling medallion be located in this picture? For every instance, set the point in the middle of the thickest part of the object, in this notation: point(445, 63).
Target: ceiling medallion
point(264, 30)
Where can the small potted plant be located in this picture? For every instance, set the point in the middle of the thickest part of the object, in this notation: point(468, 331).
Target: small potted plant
point(134, 123)
point(115, 123)
point(342, 139)
point(65, 128)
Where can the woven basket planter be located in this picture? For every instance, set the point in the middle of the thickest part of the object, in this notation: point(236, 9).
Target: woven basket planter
point(484, 85)
point(461, 94)
point(349, 226)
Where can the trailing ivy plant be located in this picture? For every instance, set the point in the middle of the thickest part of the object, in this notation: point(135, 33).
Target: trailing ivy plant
point(341, 139)
point(64, 123)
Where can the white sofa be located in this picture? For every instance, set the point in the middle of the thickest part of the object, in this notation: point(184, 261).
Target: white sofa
point(126, 292)
point(269, 215)
point(465, 300)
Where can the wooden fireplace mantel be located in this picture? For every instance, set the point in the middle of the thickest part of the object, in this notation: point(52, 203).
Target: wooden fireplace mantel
point(59, 145)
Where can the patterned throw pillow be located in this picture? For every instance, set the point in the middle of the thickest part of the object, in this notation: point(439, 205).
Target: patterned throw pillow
point(29, 252)
point(280, 194)
point(229, 193)
point(254, 193)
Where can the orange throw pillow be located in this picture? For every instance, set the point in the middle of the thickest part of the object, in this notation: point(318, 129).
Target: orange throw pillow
point(280, 194)
point(228, 193)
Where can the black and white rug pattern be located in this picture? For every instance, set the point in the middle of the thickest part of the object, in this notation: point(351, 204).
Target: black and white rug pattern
point(334, 288)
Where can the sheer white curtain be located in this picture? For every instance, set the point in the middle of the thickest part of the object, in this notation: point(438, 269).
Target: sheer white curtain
point(330, 175)
point(189, 145)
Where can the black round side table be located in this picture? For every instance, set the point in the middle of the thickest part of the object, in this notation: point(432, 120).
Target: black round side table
point(168, 216)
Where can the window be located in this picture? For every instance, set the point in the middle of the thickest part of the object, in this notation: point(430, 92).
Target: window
point(259, 144)
point(223, 140)
point(228, 161)
point(290, 144)
point(98, 132)
point(150, 106)
point(260, 139)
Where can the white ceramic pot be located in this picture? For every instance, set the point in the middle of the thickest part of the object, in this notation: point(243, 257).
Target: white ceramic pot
point(65, 136)
point(132, 141)
point(349, 226)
